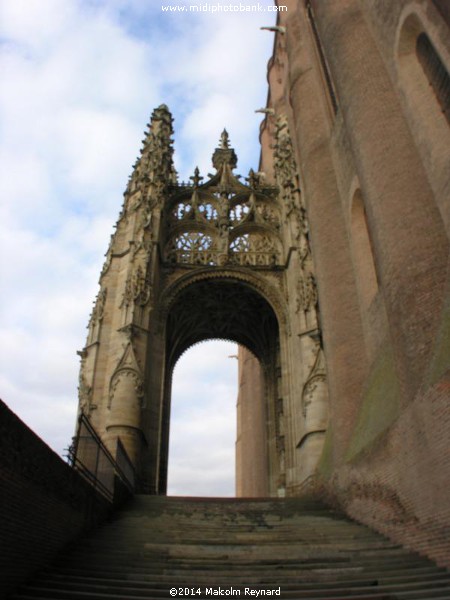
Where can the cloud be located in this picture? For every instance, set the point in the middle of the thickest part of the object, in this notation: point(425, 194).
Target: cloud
point(203, 423)
point(80, 79)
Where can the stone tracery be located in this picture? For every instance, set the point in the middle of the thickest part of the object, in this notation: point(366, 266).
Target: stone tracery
point(216, 210)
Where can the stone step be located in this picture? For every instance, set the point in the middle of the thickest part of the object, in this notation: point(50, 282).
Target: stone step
point(112, 587)
point(419, 577)
point(324, 576)
point(373, 594)
point(197, 570)
point(310, 551)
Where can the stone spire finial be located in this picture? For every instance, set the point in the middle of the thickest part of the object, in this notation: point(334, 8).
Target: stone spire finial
point(224, 140)
point(196, 178)
point(154, 168)
point(224, 154)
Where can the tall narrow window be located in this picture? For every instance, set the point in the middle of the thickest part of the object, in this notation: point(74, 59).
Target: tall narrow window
point(323, 60)
point(424, 85)
point(435, 72)
point(362, 253)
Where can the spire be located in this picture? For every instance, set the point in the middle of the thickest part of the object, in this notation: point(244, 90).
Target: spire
point(155, 163)
point(196, 178)
point(224, 140)
point(224, 154)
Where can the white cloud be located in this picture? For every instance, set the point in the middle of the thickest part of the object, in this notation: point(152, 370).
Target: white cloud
point(203, 423)
point(36, 23)
point(79, 80)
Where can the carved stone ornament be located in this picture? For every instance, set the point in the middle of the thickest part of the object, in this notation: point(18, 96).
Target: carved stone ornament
point(117, 381)
point(141, 287)
point(143, 234)
point(108, 258)
point(255, 179)
point(84, 394)
point(127, 367)
point(137, 289)
point(286, 175)
point(84, 390)
point(316, 377)
point(284, 161)
point(98, 310)
point(223, 221)
point(127, 294)
point(154, 171)
point(307, 297)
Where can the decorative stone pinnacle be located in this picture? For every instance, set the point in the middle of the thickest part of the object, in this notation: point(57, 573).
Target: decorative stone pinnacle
point(196, 178)
point(224, 140)
point(254, 179)
point(224, 154)
point(162, 111)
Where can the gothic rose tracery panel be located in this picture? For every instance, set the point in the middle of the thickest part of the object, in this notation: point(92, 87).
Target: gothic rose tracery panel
point(208, 211)
point(193, 247)
point(223, 220)
point(239, 212)
point(254, 249)
point(182, 210)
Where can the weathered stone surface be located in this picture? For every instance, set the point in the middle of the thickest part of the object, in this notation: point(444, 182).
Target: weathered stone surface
point(298, 548)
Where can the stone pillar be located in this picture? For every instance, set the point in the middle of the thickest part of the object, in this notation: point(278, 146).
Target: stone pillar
point(251, 444)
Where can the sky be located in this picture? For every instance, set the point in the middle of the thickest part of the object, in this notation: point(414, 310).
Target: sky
point(80, 79)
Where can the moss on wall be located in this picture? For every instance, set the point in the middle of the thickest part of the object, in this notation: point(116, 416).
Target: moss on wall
point(380, 404)
point(325, 465)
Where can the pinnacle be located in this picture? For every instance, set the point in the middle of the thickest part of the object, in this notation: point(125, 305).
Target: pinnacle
point(224, 154)
point(224, 140)
point(196, 178)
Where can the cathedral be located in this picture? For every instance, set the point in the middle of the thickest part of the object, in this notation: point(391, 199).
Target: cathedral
point(328, 264)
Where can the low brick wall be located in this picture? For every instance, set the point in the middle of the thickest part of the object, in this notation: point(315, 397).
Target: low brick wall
point(44, 504)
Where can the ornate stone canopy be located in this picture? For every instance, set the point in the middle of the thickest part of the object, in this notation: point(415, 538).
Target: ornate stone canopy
point(223, 221)
point(224, 309)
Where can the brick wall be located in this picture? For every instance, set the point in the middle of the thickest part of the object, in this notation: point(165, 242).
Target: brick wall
point(44, 504)
point(386, 460)
point(398, 484)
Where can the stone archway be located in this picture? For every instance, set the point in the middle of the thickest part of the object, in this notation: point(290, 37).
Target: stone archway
point(222, 308)
point(220, 258)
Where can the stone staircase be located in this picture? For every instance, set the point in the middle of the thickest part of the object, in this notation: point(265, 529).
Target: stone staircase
point(206, 548)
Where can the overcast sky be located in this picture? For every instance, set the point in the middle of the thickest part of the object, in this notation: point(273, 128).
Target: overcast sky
point(80, 79)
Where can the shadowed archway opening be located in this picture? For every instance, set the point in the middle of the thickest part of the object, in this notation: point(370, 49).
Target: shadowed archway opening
point(226, 309)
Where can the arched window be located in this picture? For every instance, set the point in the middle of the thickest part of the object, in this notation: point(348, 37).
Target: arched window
point(435, 72)
point(424, 83)
point(423, 73)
